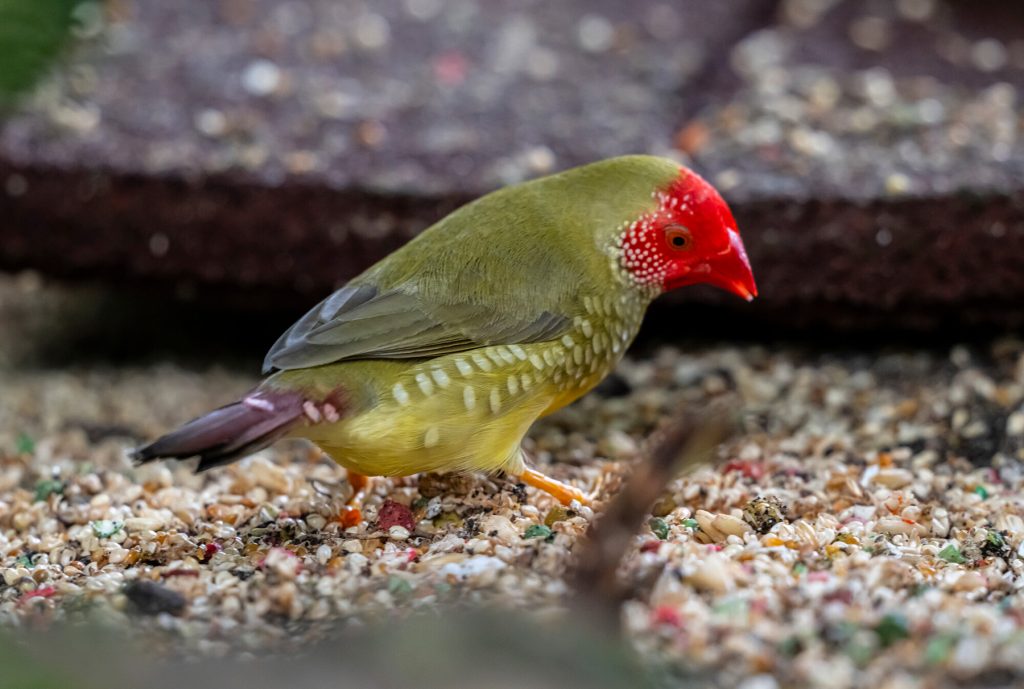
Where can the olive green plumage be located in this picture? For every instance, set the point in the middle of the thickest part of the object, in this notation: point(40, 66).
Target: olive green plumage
point(441, 356)
point(509, 308)
point(511, 267)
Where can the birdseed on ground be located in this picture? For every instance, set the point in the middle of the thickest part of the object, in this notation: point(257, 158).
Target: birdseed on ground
point(864, 529)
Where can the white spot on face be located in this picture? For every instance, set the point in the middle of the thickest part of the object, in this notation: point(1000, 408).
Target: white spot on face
point(481, 363)
point(440, 377)
point(469, 397)
point(432, 437)
point(464, 366)
point(400, 394)
point(495, 401)
point(425, 385)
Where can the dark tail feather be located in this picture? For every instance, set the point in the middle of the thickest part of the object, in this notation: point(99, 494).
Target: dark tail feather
point(231, 432)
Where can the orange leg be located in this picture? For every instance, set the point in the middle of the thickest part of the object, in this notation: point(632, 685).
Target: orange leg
point(352, 513)
point(562, 492)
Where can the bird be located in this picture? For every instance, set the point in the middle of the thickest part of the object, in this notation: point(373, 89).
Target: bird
point(441, 356)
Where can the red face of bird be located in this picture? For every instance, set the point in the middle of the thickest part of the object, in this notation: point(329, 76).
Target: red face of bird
point(690, 239)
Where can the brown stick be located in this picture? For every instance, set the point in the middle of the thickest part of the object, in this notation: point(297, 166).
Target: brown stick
point(684, 445)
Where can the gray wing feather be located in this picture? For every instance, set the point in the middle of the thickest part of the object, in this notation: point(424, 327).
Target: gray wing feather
point(359, 322)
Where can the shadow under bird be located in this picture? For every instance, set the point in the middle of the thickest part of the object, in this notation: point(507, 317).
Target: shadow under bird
point(441, 356)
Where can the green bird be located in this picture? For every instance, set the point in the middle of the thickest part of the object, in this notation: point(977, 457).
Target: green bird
point(441, 356)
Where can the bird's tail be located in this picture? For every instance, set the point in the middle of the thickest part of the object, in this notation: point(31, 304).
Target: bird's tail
point(231, 432)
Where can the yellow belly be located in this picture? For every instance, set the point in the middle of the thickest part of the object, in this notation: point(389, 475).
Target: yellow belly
point(459, 412)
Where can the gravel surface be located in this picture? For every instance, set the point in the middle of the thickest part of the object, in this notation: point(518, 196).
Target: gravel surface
point(865, 527)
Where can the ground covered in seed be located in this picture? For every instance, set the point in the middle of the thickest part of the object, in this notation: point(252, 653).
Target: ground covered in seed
point(863, 529)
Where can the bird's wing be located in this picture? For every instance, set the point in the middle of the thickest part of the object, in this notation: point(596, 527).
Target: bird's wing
point(359, 321)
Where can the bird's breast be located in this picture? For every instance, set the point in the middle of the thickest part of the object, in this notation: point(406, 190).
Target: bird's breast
point(470, 410)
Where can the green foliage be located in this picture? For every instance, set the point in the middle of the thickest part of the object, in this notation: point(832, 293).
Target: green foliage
point(32, 35)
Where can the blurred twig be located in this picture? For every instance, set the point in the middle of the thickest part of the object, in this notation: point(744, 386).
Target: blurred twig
point(684, 445)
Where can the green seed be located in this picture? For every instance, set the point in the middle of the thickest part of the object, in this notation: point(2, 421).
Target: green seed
point(658, 527)
point(952, 554)
point(539, 531)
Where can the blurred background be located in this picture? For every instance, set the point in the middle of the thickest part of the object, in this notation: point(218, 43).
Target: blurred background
point(180, 180)
point(255, 154)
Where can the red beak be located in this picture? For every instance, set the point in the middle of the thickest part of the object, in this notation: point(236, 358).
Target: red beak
point(730, 270)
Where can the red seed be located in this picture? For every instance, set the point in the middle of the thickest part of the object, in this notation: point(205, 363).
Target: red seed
point(666, 615)
point(395, 514)
point(754, 470)
point(43, 592)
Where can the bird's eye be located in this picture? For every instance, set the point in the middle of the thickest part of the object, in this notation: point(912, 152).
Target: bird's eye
point(678, 237)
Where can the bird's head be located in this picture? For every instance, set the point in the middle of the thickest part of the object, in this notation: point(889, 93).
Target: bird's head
point(690, 238)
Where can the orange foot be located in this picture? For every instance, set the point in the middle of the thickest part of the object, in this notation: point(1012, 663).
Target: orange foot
point(352, 514)
point(562, 492)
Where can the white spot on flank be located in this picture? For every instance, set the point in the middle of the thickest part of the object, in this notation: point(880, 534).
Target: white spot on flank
point(537, 362)
point(259, 403)
point(481, 363)
point(513, 385)
point(526, 381)
point(577, 354)
point(549, 358)
point(495, 401)
point(440, 377)
point(568, 341)
point(505, 354)
point(464, 366)
point(432, 436)
point(311, 411)
point(425, 385)
point(493, 356)
point(400, 394)
point(588, 330)
point(518, 352)
point(469, 397)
